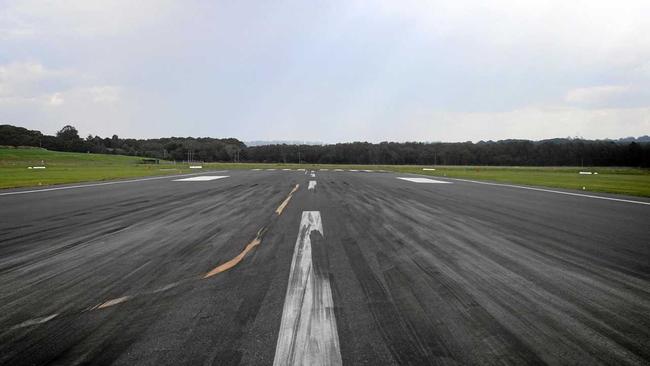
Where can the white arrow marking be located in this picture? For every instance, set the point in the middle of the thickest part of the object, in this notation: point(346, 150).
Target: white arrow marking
point(308, 334)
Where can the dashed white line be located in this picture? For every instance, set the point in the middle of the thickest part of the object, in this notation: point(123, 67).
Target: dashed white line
point(312, 185)
point(423, 180)
point(308, 332)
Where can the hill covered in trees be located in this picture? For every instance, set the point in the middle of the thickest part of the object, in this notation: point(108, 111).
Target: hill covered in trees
point(555, 152)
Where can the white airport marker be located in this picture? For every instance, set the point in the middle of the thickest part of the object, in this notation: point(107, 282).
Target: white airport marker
point(428, 169)
point(423, 180)
point(338, 170)
point(202, 178)
point(353, 170)
point(312, 185)
point(308, 333)
point(286, 169)
point(257, 169)
point(324, 170)
point(313, 175)
point(272, 169)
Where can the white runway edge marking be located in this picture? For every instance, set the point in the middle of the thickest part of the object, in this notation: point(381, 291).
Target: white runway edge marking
point(202, 178)
point(100, 184)
point(312, 185)
point(423, 180)
point(308, 333)
point(553, 191)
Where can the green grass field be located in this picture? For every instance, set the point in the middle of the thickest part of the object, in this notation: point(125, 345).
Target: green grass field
point(64, 167)
point(77, 167)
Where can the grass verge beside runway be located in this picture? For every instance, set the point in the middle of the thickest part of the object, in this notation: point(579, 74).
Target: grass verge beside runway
point(63, 167)
point(620, 180)
point(630, 181)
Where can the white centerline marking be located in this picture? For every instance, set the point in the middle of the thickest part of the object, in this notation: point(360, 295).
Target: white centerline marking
point(552, 191)
point(202, 178)
point(313, 175)
point(100, 184)
point(423, 180)
point(308, 333)
point(312, 185)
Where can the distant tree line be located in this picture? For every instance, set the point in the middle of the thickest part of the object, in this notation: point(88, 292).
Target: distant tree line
point(170, 148)
point(554, 152)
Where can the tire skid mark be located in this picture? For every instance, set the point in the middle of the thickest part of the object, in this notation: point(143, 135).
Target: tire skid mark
point(126, 298)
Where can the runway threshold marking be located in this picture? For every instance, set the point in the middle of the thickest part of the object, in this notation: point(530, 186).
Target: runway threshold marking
point(553, 191)
point(308, 333)
point(100, 184)
point(202, 178)
point(423, 180)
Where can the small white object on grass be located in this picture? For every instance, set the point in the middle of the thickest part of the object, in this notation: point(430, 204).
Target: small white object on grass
point(583, 188)
point(196, 167)
point(585, 173)
point(428, 169)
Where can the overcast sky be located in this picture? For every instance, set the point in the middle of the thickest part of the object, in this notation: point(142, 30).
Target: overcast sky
point(328, 71)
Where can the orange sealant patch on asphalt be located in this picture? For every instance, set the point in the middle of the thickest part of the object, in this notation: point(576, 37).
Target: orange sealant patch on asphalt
point(286, 201)
point(255, 242)
point(233, 262)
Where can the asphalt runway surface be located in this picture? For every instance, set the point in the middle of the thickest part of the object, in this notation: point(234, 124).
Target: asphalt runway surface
point(264, 267)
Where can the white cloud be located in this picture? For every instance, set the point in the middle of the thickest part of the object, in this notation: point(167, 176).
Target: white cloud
point(22, 79)
point(528, 123)
point(32, 83)
point(105, 94)
point(596, 94)
point(56, 99)
point(582, 32)
point(80, 18)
